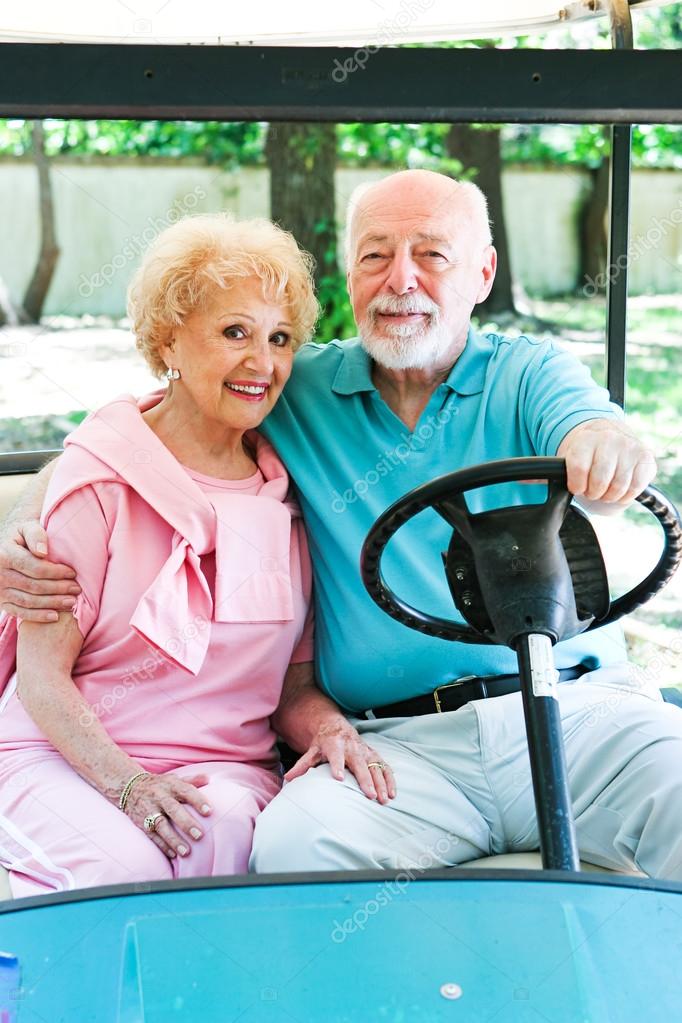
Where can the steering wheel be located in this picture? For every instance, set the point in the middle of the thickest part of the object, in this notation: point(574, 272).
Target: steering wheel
point(513, 570)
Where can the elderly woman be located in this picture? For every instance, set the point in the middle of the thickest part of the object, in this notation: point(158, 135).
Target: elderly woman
point(134, 733)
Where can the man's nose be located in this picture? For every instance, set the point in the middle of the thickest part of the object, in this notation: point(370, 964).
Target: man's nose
point(402, 275)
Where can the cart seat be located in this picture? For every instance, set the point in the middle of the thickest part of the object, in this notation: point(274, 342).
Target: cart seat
point(532, 861)
point(11, 487)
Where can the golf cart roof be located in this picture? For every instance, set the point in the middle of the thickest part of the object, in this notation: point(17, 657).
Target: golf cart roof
point(300, 22)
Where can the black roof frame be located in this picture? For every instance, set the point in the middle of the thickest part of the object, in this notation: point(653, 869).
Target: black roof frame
point(236, 83)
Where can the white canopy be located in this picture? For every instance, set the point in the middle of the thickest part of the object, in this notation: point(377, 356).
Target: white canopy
point(273, 22)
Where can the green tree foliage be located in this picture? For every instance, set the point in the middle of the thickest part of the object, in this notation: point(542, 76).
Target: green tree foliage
point(405, 145)
point(658, 29)
point(359, 145)
point(229, 144)
point(653, 145)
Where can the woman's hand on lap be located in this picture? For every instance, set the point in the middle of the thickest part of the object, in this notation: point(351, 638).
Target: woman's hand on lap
point(168, 794)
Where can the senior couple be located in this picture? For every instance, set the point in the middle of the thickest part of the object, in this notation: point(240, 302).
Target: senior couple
point(170, 530)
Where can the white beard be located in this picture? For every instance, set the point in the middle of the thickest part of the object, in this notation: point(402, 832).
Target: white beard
point(404, 345)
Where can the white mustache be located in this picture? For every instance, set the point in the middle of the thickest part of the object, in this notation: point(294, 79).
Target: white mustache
point(400, 306)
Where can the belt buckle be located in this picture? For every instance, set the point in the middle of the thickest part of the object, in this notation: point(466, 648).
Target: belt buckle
point(450, 685)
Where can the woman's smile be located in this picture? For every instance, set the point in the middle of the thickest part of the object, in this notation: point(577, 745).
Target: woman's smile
point(247, 390)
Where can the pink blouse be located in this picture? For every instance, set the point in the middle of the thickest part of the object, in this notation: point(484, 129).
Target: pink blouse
point(196, 594)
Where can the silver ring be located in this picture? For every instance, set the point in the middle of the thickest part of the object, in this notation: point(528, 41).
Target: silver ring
point(379, 764)
point(151, 822)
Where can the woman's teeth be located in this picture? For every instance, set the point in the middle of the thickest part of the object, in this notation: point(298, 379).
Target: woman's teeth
point(247, 390)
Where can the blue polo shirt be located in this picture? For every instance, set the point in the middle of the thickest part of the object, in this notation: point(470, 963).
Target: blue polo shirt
point(351, 457)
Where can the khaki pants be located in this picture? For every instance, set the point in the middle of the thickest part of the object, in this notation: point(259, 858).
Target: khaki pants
point(464, 787)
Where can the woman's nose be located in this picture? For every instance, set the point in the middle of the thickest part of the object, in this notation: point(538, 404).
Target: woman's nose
point(259, 358)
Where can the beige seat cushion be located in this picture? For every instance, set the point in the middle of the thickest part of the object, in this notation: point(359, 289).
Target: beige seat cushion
point(10, 488)
point(532, 861)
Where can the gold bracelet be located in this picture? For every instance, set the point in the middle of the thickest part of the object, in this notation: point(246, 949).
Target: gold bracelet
point(128, 787)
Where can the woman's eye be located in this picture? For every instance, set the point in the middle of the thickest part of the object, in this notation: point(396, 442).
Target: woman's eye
point(234, 333)
point(280, 339)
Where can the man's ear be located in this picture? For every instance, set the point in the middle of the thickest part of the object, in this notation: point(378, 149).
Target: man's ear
point(488, 273)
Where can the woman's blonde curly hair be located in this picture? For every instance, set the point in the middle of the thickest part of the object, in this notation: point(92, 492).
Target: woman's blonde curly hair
point(199, 253)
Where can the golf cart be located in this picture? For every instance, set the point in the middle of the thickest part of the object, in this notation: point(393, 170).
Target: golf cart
point(506, 940)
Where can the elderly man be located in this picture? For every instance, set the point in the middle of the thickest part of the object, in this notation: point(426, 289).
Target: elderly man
point(385, 780)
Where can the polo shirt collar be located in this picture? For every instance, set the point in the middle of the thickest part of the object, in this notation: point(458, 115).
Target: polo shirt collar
point(355, 370)
point(467, 376)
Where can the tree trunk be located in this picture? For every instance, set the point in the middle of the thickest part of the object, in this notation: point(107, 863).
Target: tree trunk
point(478, 150)
point(302, 161)
point(36, 293)
point(592, 229)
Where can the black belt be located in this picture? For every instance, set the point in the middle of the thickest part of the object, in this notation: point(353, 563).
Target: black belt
point(453, 695)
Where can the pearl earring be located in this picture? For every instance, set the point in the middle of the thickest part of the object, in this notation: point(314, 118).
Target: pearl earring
point(172, 374)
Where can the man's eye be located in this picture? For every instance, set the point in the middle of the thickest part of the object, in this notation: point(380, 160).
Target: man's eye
point(281, 339)
point(432, 254)
point(234, 333)
point(373, 255)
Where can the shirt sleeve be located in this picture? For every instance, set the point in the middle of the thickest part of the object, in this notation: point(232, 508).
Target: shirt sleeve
point(304, 650)
point(78, 535)
point(558, 393)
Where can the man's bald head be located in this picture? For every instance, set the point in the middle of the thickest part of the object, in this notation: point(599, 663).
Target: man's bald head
point(409, 190)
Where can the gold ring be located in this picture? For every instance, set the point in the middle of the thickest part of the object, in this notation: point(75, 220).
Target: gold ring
point(379, 764)
point(151, 822)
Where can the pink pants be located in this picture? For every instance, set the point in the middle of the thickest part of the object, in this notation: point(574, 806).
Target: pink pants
point(58, 833)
